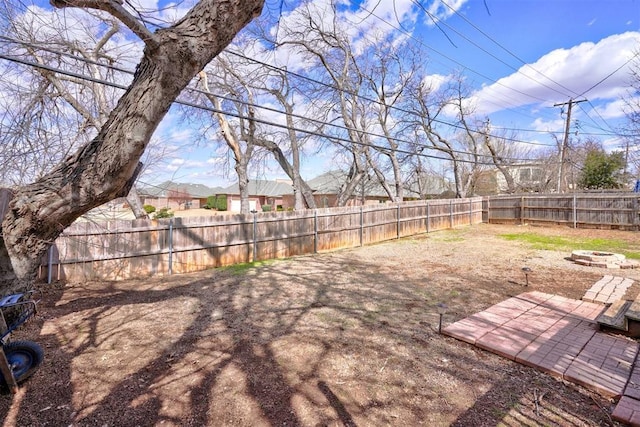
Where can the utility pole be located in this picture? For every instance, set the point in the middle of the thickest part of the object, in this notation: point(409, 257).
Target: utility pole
point(626, 158)
point(565, 143)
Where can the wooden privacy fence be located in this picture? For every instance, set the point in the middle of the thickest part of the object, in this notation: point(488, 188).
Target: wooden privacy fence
point(139, 248)
point(618, 210)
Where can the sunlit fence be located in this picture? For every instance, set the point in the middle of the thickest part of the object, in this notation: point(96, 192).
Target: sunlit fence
point(139, 248)
point(613, 211)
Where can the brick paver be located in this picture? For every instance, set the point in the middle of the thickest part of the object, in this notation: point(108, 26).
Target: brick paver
point(633, 386)
point(559, 336)
point(627, 411)
point(608, 289)
point(505, 341)
point(604, 364)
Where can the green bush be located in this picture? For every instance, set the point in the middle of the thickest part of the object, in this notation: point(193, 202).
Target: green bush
point(221, 202)
point(266, 208)
point(217, 202)
point(163, 213)
point(211, 203)
point(279, 208)
point(149, 209)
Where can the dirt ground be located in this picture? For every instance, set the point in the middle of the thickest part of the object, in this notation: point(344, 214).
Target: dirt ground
point(343, 338)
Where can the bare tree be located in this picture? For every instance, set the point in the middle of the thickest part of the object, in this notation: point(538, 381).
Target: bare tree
point(105, 167)
point(632, 113)
point(279, 86)
point(444, 120)
point(547, 160)
point(234, 85)
point(500, 159)
point(63, 110)
point(390, 70)
point(239, 132)
point(323, 43)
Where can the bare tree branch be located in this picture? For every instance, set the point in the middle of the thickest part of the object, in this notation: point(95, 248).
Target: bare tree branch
point(115, 8)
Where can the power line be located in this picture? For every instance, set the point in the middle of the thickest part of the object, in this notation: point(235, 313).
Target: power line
point(419, 41)
point(368, 99)
point(605, 78)
point(498, 83)
point(82, 59)
point(313, 133)
point(455, 126)
point(123, 70)
point(486, 51)
point(509, 51)
point(449, 58)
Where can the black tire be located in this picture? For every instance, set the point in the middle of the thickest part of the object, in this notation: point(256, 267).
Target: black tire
point(24, 357)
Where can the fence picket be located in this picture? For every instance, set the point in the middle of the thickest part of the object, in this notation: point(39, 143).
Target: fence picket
point(139, 248)
point(576, 210)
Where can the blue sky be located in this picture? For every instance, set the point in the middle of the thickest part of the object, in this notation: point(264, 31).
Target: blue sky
point(520, 57)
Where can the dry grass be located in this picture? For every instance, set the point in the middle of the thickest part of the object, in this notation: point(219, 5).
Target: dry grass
point(343, 338)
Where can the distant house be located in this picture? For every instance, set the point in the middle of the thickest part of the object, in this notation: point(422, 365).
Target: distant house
point(262, 193)
point(278, 194)
point(527, 177)
point(177, 196)
point(427, 186)
point(326, 188)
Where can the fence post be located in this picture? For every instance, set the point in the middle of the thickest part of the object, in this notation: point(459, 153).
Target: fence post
point(522, 210)
point(361, 224)
point(575, 211)
point(635, 213)
point(171, 246)
point(315, 231)
point(398, 221)
point(428, 219)
point(451, 213)
point(50, 265)
point(488, 209)
point(255, 237)
point(470, 212)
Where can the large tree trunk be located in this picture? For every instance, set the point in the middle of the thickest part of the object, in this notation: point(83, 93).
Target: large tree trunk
point(133, 198)
point(243, 185)
point(102, 170)
point(303, 193)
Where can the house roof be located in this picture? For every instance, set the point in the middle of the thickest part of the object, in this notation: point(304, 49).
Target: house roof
point(431, 185)
point(330, 182)
point(327, 183)
point(195, 190)
point(262, 188)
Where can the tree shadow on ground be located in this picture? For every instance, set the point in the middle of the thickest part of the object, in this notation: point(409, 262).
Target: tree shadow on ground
point(310, 341)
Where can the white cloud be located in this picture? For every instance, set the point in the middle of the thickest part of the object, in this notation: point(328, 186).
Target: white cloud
point(548, 125)
point(175, 164)
point(436, 81)
point(611, 110)
point(442, 10)
point(588, 70)
point(368, 22)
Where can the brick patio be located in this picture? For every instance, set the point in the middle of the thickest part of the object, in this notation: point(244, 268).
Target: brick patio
point(608, 289)
point(560, 337)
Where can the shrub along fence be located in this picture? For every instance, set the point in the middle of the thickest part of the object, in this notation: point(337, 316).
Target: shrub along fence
point(131, 249)
point(588, 210)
